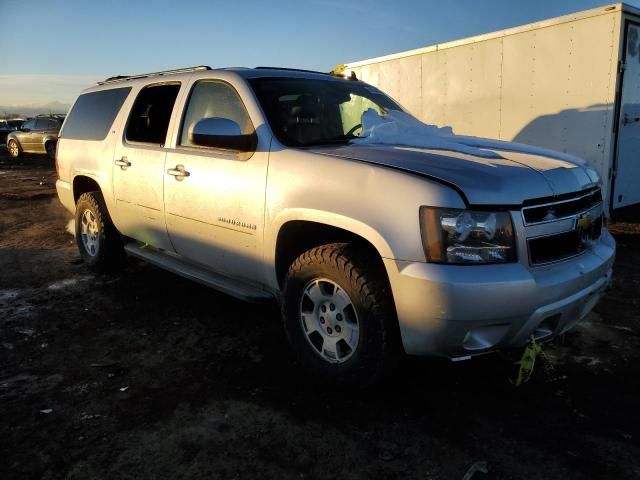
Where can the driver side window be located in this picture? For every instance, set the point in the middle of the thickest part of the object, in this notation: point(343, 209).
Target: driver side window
point(29, 124)
point(211, 99)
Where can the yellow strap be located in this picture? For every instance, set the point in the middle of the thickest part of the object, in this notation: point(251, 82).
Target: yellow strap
point(527, 362)
point(338, 69)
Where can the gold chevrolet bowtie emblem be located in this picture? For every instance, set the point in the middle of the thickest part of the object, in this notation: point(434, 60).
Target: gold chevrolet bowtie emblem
point(584, 222)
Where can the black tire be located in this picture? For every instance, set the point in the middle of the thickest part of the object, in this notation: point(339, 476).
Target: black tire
point(14, 149)
point(363, 279)
point(50, 147)
point(109, 254)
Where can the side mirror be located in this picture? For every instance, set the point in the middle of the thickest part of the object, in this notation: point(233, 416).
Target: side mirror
point(23, 129)
point(222, 133)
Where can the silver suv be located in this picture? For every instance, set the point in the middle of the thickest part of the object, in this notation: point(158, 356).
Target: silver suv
point(377, 234)
point(36, 135)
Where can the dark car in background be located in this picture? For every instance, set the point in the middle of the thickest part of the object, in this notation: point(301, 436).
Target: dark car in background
point(36, 135)
point(8, 126)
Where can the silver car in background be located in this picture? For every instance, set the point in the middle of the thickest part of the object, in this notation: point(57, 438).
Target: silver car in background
point(35, 135)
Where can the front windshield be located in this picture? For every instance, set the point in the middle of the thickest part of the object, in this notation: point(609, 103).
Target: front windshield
point(304, 112)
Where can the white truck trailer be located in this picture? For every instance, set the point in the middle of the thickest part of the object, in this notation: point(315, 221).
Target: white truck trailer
point(570, 83)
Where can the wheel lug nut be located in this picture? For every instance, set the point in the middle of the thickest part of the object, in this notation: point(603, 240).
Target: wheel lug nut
point(329, 331)
point(339, 317)
point(332, 307)
point(323, 308)
point(321, 319)
point(338, 328)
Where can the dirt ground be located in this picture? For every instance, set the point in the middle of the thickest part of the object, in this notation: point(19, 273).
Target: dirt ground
point(148, 375)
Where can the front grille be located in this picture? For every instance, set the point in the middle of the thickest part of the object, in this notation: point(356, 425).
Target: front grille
point(562, 208)
point(564, 245)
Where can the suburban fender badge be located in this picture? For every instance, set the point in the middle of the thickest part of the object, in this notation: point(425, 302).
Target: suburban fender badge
point(237, 223)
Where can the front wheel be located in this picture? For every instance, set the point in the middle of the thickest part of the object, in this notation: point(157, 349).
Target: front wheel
point(14, 148)
point(98, 240)
point(339, 314)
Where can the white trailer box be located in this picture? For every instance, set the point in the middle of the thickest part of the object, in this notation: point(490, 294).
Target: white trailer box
point(570, 83)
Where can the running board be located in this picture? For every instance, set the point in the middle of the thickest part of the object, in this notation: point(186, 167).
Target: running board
point(174, 264)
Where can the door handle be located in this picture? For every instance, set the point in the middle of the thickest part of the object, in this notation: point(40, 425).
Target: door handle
point(626, 120)
point(123, 163)
point(179, 172)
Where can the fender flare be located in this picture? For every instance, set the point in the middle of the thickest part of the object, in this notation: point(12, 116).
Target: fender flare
point(331, 219)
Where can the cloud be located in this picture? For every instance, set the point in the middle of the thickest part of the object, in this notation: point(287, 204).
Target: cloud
point(37, 89)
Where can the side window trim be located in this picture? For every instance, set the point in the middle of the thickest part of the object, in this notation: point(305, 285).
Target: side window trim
point(168, 135)
point(202, 149)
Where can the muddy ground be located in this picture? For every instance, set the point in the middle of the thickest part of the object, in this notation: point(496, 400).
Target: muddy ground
point(147, 375)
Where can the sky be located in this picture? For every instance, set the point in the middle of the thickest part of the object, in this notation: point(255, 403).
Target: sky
point(52, 49)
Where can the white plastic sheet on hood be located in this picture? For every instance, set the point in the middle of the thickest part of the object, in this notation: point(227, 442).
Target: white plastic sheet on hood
point(399, 128)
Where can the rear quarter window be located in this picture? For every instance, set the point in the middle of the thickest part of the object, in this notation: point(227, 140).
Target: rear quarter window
point(93, 114)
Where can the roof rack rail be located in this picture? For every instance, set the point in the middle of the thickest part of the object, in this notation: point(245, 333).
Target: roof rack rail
point(291, 69)
point(121, 78)
point(57, 115)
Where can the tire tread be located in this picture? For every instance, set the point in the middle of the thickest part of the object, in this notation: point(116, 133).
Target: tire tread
point(359, 267)
point(111, 254)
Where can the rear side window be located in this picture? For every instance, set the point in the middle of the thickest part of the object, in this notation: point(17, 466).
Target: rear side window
point(93, 114)
point(42, 124)
point(214, 99)
point(150, 115)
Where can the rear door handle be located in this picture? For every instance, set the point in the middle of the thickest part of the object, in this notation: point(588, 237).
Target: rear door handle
point(123, 163)
point(179, 172)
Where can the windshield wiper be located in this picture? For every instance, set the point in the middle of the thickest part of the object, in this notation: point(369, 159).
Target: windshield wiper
point(331, 140)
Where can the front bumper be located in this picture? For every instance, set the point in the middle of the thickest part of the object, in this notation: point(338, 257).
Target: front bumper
point(458, 311)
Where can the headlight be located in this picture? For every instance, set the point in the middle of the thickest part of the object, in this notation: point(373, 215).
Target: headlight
point(466, 236)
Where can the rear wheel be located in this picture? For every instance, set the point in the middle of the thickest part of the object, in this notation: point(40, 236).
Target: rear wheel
point(50, 147)
point(99, 242)
point(14, 148)
point(339, 315)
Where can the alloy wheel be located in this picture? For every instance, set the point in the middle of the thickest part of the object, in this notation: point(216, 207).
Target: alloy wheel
point(13, 149)
point(90, 233)
point(329, 320)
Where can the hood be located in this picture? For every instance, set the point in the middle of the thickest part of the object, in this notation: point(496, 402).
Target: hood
point(508, 176)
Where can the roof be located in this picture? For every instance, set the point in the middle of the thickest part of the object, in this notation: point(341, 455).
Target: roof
point(260, 72)
point(594, 12)
point(244, 72)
